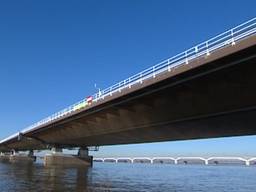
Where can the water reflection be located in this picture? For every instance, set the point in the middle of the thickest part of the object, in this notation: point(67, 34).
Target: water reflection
point(36, 177)
point(65, 179)
point(126, 177)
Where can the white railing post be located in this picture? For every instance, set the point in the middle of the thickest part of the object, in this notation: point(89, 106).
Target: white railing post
point(186, 55)
point(232, 37)
point(141, 78)
point(110, 89)
point(168, 63)
point(196, 49)
point(129, 82)
point(207, 48)
point(119, 87)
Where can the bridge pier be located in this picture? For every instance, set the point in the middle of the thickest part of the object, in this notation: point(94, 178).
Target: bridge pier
point(22, 158)
point(4, 156)
point(56, 150)
point(58, 158)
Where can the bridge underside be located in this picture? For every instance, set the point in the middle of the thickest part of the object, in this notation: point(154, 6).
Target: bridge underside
point(216, 99)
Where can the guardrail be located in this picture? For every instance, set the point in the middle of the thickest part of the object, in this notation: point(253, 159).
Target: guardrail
point(228, 38)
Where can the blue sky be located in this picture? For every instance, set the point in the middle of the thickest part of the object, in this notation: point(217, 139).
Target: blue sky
point(53, 52)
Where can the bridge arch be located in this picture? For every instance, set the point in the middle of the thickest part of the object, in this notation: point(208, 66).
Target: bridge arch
point(110, 160)
point(166, 160)
point(125, 160)
point(228, 160)
point(98, 159)
point(252, 161)
point(142, 160)
point(191, 160)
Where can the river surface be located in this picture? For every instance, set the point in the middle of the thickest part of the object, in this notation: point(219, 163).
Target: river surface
point(127, 177)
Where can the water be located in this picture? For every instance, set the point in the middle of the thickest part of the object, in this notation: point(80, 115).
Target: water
point(127, 177)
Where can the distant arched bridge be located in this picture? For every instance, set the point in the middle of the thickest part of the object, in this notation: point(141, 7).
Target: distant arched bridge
point(180, 160)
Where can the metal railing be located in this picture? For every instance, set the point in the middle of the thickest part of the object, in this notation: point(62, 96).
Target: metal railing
point(228, 38)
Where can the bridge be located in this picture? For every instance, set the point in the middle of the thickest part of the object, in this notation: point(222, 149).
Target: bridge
point(181, 160)
point(206, 91)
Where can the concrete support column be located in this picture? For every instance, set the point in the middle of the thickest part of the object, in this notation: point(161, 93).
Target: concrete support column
point(83, 152)
point(31, 153)
point(22, 157)
point(58, 158)
point(13, 152)
point(56, 150)
point(4, 156)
